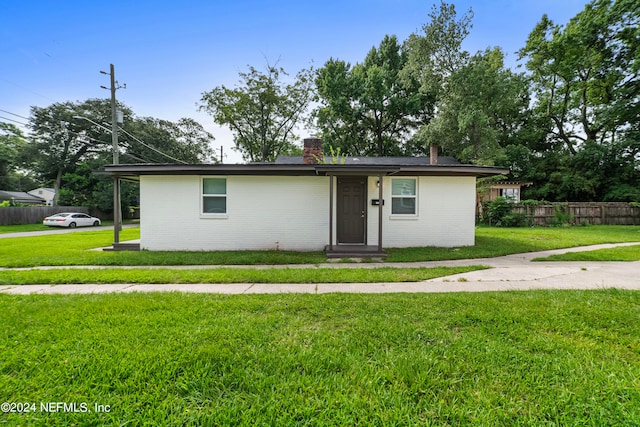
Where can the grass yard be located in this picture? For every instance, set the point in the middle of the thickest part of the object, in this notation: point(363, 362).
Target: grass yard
point(23, 228)
point(509, 358)
point(41, 227)
point(493, 241)
point(73, 249)
point(228, 275)
point(623, 253)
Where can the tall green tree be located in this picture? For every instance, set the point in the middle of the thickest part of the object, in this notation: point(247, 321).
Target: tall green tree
point(435, 52)
point(627, 167)
point(151, 140)
point(585, 74)
point(336, 117)
point(372, 107)
point(480, 111)
point(12, 147)
point(586, 86)
point(67, 135)
point(62, 137)
point(262, 112)
point(83, 187)
point(479, 105)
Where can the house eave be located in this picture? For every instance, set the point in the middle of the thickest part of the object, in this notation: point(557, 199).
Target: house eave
point(134, 171)
point(419, 170)
point(137, 170)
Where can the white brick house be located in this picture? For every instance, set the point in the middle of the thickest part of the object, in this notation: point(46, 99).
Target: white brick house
point(297, 204)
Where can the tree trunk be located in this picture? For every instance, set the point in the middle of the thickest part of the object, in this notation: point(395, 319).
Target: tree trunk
point(56, 187)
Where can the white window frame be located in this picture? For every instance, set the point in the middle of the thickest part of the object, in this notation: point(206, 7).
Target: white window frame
point(204, 214)
point(404, 196)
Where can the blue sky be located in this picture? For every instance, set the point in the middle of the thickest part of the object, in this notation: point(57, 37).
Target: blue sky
point(169, 52)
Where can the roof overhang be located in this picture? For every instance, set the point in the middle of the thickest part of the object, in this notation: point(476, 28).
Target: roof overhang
point(134, 171)
point(415, 170)
point(512, 183)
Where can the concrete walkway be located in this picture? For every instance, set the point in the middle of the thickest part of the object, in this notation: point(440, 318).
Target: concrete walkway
point(512, 272)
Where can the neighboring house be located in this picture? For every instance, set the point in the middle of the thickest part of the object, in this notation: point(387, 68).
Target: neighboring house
point(508, 189)
point(48, 194)
point(21, 197)
point(298, 204)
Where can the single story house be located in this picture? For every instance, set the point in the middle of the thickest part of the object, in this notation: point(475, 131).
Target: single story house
point(48, 194)
point(21, 197)
point(348, 207)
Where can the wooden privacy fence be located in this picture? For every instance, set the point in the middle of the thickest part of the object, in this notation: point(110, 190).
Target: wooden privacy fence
point(13, 215)
point(606, 213)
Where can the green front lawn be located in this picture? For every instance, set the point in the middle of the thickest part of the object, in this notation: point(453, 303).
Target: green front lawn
point(623, 253)
point(228, 275)
point(511, 358)
point(493, 242)
point(41, 227)
point(23, 228)
point(73, 248)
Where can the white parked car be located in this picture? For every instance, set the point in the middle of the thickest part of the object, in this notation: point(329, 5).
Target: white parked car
point(71, 220)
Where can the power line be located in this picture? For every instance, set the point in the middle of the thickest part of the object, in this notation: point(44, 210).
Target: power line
point(137, 158)
point(127, 133)
point(152, 148)
point(84, 136)
point(126, 144)
point(11, 120)
point(89, 138)
point(56, 102)
point(92, 139)
point(28, 90)
point(14, 114)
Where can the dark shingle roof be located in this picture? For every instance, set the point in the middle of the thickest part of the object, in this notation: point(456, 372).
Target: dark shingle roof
point(294, 166)
point(20, 197)
point(375, 161)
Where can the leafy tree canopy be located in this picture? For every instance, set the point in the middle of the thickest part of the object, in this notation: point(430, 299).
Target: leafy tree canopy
point(586, 86)
point(585, 75)
point(436, 52)
point(262, 112)
point(480, 112)
point(372, 107)
point(66, 135)
point(12, 145)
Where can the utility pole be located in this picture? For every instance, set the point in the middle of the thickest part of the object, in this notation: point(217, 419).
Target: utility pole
point(117, 208)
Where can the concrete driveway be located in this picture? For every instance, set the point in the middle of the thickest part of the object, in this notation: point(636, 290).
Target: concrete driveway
point(512, 272)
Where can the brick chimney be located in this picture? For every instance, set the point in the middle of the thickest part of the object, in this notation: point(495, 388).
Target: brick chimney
point(433, 154)
point(312, 151)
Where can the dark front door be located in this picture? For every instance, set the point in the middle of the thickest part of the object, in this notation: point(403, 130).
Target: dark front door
point(351, 210)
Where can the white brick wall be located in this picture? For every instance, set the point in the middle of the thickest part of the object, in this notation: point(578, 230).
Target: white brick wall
point(292, 213)
point(263, 212)
point(446, 214)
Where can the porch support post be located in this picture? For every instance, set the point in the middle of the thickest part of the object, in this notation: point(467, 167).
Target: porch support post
point(117, 212)
point(330, 212)
point(380, 200)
